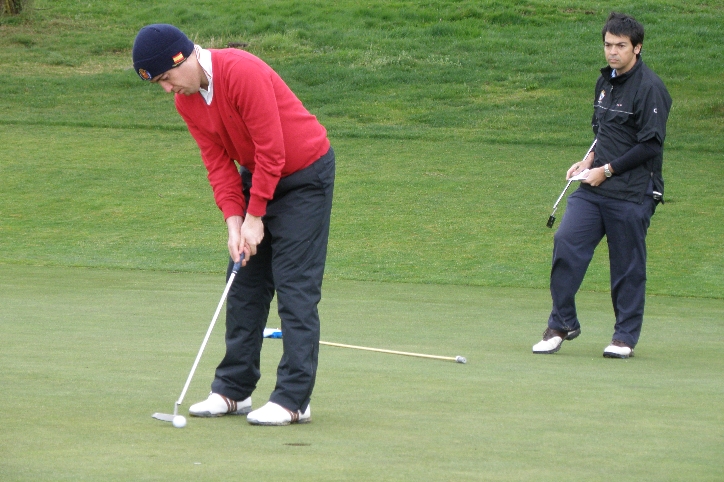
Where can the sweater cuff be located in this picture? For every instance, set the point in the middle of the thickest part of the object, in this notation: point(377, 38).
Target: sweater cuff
point(257, 206)
point(229, 211)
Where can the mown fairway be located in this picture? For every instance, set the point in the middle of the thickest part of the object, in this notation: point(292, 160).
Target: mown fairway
point(453, 123)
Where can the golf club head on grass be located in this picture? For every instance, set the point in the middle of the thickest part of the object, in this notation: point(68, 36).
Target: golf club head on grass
point(164, 417)
point(551, 220)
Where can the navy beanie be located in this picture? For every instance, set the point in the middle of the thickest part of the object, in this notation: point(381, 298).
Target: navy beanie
point(158, 48)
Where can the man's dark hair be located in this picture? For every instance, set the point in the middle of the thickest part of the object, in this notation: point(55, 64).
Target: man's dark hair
point(624, 26)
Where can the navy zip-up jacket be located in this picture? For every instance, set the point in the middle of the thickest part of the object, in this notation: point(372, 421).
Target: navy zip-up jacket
point(629, 120)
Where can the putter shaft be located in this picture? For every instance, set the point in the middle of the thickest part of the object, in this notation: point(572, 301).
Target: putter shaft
point(552, 218)
point(555, 206)
point(208, 332)
point(167, 417)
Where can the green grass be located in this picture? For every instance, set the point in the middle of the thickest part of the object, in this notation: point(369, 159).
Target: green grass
point(453, 123)
point(89, 354)
point(424, 211)
point(517, 72)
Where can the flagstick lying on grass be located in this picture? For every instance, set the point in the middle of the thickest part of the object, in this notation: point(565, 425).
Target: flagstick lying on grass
point(276, 333)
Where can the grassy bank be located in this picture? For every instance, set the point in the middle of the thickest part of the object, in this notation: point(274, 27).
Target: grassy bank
point(453, 123)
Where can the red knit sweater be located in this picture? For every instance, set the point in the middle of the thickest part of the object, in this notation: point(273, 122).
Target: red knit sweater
point(255, 120)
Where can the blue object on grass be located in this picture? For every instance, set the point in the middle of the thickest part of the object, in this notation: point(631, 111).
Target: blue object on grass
point(272, 333)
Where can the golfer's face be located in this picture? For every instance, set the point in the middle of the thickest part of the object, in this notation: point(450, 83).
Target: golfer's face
point(179, 80)
point(620, 53)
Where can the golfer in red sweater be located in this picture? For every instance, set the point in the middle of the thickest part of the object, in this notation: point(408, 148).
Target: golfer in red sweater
point(276, 203)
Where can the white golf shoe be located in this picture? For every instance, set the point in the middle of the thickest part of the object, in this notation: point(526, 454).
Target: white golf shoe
point(618, 349)
point(553, 339)
point(217, 405)
point(275, 414)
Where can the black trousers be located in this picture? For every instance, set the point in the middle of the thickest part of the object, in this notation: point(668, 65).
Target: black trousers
point(588, 218)
point(289, 261)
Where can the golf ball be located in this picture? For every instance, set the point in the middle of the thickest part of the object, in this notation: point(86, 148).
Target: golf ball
point(179, 421)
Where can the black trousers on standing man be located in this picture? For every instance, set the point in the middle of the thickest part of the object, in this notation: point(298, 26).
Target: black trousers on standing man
point(588, 218)
point(289, 261)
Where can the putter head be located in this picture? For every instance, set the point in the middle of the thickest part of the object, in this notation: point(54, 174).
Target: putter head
point(165, 417)
point(551, 220)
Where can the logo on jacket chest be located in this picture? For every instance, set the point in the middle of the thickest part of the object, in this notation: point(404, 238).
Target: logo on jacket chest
point(601, 96)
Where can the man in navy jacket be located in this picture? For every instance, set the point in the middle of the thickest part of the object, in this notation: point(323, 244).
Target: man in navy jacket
point(619, 195)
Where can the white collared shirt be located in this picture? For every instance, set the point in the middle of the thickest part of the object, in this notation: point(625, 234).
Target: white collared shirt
point(204, 57)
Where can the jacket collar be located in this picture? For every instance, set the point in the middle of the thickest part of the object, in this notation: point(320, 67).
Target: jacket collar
point(606, 72)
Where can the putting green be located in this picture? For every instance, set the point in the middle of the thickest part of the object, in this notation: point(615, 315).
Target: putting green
point(88, 355)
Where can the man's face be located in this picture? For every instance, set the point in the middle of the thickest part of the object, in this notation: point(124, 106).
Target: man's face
point(181, 79)
point(620, 53)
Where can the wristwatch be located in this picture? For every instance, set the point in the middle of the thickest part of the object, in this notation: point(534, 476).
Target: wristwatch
point(607, 171)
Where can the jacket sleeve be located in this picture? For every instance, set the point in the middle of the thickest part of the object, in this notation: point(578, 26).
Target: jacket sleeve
point(636, 156)
point(652, 106)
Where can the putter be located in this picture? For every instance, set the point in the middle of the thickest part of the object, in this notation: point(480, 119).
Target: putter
point(552, 217)
point(167, 417)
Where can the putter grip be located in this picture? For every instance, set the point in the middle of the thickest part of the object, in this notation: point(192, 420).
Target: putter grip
point(237, 266)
